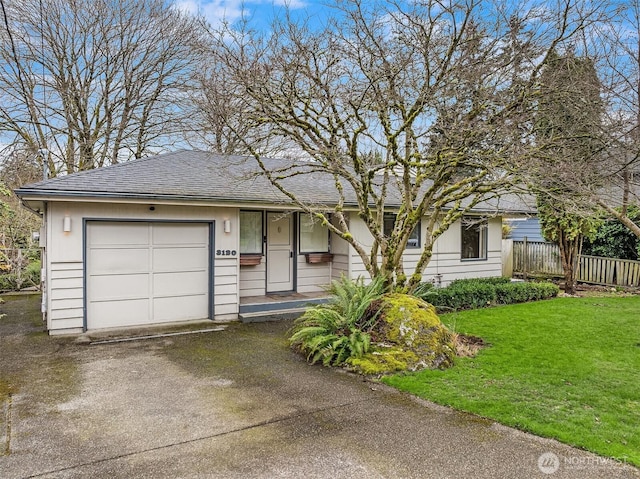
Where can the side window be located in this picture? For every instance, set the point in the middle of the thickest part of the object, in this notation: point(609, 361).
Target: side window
point(414, 239)
point(474, 238)
point(314, 238)
point(251, 232)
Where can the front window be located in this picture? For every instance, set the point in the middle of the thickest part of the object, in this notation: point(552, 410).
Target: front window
point(389, 222)
point(474, 238)
point(314, 238)
point(250, 232)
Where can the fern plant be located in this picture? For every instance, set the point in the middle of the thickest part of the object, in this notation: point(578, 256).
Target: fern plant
point(339, 329)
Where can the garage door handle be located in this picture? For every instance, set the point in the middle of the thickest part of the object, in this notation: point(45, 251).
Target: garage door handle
point(290, 254)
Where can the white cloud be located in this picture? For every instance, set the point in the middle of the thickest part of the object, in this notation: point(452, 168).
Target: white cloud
point(216, 11)
point(290, 3)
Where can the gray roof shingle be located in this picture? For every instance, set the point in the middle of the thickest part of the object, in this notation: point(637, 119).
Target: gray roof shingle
point(199, 175)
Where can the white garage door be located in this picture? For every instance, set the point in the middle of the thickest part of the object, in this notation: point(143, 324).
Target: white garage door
point(142, 273)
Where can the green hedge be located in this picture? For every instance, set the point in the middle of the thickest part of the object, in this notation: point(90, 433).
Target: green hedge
point(483, 292)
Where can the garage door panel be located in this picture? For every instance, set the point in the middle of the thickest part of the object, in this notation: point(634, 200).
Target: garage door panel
point(114, 314)
point(180, 308)
point(180, 259)
point(176, 284)
point(115, 287)
point(143, 273)
point(119, 260)
point(183, 233)
point(113, 234)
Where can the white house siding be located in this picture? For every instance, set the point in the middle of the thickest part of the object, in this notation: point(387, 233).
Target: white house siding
point(312, 278)
point(341, 252)
point(64, 258)
point(446, 261)
point(446, 264)
point(64, 299)
point(253, 280)
point(340, 266)
point(225, 288)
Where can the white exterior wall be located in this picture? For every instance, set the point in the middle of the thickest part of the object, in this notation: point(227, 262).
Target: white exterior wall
point(341, 257)
point(447, 252)
point(446, 260)
point(312, 278)
point(253, 280)
point(64, 256)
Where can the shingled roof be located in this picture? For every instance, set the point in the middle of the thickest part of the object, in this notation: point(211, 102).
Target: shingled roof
point(203, 176)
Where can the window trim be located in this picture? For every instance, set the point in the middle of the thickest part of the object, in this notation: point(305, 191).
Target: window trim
point(483, 247)
point(262, 239)
point(417, 227)
point(300, 249)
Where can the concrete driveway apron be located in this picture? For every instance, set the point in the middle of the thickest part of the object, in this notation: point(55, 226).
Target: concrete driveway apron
point(237, 403)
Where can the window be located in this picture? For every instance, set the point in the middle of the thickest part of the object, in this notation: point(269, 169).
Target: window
point(251, 232)
point(314, 238)
point(474, 238)
point(414, 239)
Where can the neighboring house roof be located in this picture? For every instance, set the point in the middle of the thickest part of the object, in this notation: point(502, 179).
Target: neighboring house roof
point(197, 175)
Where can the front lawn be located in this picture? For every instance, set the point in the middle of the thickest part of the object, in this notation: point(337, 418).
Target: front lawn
point(567, 368)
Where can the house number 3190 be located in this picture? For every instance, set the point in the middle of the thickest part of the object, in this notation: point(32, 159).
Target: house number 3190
point(226, 252)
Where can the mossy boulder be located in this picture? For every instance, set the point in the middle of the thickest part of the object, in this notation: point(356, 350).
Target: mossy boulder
point(408, 337)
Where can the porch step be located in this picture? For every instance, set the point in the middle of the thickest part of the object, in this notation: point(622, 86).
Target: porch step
point(263, 316)
point(276, 310)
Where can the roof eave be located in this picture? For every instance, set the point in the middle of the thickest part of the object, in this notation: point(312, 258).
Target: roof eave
point(29, 194)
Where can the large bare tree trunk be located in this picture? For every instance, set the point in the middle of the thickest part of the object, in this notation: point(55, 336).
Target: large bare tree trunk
point(570, 255)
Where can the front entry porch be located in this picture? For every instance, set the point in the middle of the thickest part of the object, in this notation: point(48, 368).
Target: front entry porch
point(254, 307)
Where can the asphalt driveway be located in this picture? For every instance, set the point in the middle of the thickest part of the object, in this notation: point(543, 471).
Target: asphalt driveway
point(236, 403)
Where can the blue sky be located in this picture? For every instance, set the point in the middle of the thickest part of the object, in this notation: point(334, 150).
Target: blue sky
point(260, 11)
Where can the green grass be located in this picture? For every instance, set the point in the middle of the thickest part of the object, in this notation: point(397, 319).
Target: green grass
point(567, 368)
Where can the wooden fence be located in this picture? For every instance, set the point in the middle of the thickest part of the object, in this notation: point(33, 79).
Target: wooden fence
point(609, 271)
point(538, 258)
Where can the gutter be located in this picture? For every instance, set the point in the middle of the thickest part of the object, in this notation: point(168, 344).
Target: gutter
point(26, 194)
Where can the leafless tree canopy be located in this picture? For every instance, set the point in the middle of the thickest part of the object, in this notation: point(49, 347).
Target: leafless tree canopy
point(425, 101)
point(93, 82)
point(615, 46)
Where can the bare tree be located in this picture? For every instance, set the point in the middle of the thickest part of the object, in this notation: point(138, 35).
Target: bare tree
point(615, 46)
point(17, 247)
point(568, 121)
point(220, 124)
point(94, 82)
point(418, 103)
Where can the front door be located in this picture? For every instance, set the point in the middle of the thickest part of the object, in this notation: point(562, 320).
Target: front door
point(279, 252)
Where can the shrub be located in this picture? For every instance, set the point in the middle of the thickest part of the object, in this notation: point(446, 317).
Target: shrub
point(340, 329)
point(494, 280)
point(29, 276)
point(483, 292)
point(614, 240)
point(8, 282)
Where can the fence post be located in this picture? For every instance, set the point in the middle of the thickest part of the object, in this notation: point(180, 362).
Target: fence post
point(525, 261)
point(507, 258)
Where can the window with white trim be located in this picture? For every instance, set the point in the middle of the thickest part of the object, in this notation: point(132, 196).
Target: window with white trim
point(251, 232)
point(314, 237)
